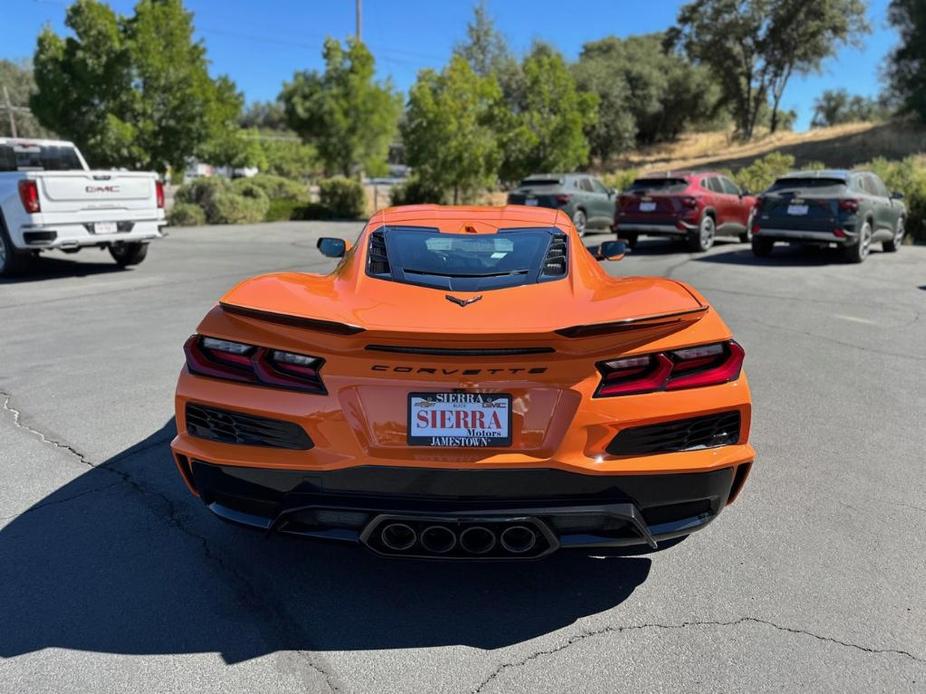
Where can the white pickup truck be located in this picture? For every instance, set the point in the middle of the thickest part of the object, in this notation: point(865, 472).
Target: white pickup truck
point(50, 199)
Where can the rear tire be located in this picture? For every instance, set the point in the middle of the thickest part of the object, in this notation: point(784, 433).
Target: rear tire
point(703, 238)
point(629, 239)
point(895, 243)
point(126, 254)
point(858, 251)
point(762, 248)
point(12, 260)
point(580, 221)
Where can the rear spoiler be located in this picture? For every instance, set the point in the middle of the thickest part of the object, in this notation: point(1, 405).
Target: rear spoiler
point(656, 321)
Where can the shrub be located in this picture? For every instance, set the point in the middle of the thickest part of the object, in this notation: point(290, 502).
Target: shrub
point(343, 197)
point(284, 209)
point(908, 177)
point(761, 173)
point(274, 186)
point(202, 190)
point(186, 214)
point(230, 208)
point(416, 191)
point(620, 180)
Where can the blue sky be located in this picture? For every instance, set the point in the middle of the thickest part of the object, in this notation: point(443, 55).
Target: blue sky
point(261, 43)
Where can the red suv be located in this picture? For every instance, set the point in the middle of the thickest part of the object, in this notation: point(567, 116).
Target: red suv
point(691, 205)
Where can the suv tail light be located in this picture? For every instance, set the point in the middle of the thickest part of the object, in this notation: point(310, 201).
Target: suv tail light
point(29, 194)
point(159, 194)
point(562, 198)
point(693, 367)
point(848, 205)
point(237, 361)
point(689, 202)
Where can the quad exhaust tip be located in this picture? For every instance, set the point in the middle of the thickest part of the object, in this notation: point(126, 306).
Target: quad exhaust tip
point(398, 537)
point(518, 539)
point(438, 539)
point(477, 540)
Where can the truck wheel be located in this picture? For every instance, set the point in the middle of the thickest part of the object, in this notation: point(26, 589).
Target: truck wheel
point(894, 244)
point(762, 248)
point(858, 251)
point(703, 238)
point(126, 254)
point(12, 261)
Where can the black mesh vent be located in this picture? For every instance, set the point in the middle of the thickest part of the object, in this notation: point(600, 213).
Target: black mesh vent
point(379, 260)
point(237, 427)
point(720, 429)
point(555, 263)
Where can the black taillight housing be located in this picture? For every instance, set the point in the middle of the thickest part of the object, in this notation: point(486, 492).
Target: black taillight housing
point(237, 361)
point(691, 367)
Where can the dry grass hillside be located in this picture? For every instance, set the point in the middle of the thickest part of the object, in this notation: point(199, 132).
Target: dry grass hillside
point(839, 146)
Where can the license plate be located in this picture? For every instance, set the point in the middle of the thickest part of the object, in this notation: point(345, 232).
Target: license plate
point(105, 228)
point(532, 202)
point(797, 209)
point(647, 206)
point(459, 420)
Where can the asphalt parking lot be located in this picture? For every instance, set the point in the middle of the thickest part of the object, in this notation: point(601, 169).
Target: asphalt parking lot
point(114, 579)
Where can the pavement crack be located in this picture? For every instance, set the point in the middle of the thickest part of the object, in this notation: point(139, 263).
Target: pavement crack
point(16, 416)
point(610, 629)
point(56, 502)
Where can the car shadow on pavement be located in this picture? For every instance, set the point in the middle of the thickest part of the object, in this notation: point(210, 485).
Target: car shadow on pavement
point(124, 560)
point(666, 246)
point(46, 268)
point(782, 256)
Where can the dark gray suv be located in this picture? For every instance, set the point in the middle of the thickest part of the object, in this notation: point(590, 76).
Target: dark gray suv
point(584, 198)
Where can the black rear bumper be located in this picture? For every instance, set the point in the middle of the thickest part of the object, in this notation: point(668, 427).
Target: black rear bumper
point(565, 509)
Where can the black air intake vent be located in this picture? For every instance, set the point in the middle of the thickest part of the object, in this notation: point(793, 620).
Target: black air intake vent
point(236, 427)
point(714, 430)
point(379, 260)
point(555, 263)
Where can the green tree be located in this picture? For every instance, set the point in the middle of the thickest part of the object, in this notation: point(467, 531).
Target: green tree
point(836, 106)
point(543, 128)
point(348, 117)
point(906, 67)
point(756, 46)
point(449, 129)
point(19, 82)
point(266, 115)
point(646, 93)
point(134, 91)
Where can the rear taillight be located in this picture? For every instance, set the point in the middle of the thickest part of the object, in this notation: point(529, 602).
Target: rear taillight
point(704, 365)
point(562, 198)
point(625, 200)
point(237, 361)
point(29, 194)
point(848, 205)
point(759, 202)
point(689, 202)
point(159, 194)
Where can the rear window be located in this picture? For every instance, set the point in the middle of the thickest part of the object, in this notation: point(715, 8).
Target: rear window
point(21, 157)
point(541, 182)
point(661, 185)
point(470, 262)
point(804, 183)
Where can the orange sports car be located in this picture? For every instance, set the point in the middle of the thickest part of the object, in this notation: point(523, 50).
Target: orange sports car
point(467, 383)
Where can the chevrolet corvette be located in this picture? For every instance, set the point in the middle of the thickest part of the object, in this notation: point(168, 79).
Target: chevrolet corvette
point(467, 383)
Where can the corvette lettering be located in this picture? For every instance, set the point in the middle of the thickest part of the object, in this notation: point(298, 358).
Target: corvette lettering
point(458, 372)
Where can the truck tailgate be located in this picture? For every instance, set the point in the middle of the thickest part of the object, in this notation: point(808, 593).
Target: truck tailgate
point(91, 191)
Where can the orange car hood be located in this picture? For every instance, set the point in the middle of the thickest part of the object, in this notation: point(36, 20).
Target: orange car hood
point(587, 296)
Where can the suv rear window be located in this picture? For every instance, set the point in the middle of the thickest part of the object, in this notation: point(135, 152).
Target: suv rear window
point(662, 185)
point(541, 182)
point(470, 262)
point(792, 183)
point(20, 157)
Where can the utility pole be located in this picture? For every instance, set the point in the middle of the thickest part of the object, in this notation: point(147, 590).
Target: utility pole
point(359, 14)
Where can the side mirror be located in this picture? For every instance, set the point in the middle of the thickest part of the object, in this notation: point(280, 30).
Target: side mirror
point(744, 192)
point(896, 195)
point(332, 247)
point(612, 192)
point(609, 250)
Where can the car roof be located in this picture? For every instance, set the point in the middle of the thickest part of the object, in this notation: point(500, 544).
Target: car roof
point(820, 173)
point(470, 218)
point(34, 141)
point(678, 174)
